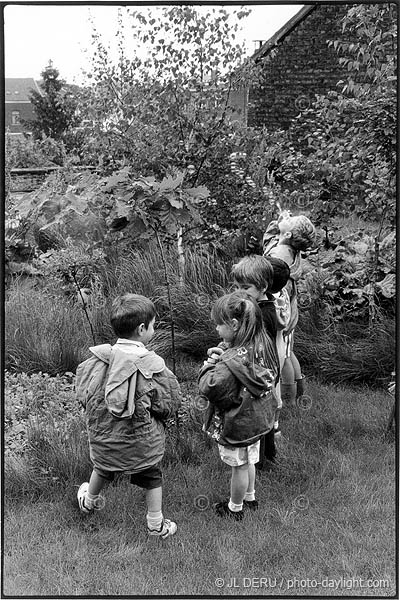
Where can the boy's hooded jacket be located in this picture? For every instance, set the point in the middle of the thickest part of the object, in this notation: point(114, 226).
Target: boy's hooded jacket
point(241, 394)
point(127, 398)
point(292, 259)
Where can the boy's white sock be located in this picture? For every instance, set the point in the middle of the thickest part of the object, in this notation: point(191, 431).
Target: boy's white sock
point(90, 500)
point(235, 507)
point(154, 519)
point(250, 496)
point(276, 425)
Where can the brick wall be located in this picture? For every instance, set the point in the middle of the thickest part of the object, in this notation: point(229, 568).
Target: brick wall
point(25, 110)
point(27, 180)
point(301, 66)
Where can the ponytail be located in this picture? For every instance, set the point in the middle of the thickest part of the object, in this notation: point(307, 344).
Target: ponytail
point(251, 333)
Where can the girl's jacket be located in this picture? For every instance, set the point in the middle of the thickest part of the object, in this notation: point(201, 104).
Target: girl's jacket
point(127, 399)
point(242, 397)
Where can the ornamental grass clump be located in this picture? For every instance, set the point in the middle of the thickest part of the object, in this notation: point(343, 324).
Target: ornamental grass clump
point(43, 332)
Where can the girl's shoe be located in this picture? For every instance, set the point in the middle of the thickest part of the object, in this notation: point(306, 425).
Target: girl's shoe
point(81, 495)
point(167, 528)
point(222, 509)
point(252, 504)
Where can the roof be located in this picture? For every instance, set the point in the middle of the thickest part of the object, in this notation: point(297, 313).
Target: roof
point(283, 31)
point(18, 89)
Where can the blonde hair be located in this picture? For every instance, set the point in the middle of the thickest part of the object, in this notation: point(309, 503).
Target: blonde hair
point(303, 234)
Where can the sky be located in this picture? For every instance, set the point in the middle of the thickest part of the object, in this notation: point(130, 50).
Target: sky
point(34, 34)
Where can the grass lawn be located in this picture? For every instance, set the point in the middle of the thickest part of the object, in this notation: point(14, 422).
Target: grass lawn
point(325, 526)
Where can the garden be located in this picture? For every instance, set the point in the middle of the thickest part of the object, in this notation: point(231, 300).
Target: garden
point(158, 192)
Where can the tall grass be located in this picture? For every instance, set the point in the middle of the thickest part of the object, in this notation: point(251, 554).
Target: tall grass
point(346, 352)
point(47, 332)
point(43, 331)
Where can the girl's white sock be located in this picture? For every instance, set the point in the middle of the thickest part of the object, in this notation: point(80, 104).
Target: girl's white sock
point(154, 519)
point(276, 425)
point(235, 507)
point(250, 496)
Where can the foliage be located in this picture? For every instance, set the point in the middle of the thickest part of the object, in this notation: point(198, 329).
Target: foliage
point(164, 109)
point(348, 138)
point(169, 110)
point(55, 108)
point(33, 153)
point(339, 156)
point(36, 396)
point(44, 431)
point(352, 276)
point(64, 208)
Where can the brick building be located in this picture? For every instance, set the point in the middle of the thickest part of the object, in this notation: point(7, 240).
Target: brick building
point(17, 103)
point(297, 63)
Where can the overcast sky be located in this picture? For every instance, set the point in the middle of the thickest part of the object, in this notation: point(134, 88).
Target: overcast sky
point(34, 34)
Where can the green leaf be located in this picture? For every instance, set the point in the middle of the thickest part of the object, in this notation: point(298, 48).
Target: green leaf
point(171, 182)
point(197, 194)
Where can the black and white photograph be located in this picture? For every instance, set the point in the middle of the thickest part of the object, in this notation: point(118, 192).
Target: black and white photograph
point(199, 300)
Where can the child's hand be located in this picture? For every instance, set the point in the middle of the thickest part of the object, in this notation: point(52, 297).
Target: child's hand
point(213, 355)
point(284, 215)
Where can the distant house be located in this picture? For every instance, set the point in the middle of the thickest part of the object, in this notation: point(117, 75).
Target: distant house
point(17, 103)
point(297, 63)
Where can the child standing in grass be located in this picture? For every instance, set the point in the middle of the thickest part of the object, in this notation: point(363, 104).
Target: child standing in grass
point(128, 394)
point(255, 275)
point(285, 239)
point(238, 386)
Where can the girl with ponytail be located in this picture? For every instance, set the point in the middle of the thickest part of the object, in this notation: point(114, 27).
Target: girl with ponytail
point(238, 385)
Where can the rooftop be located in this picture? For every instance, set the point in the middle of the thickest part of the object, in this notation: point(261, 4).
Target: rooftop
point(283, 31)
point(19, 88)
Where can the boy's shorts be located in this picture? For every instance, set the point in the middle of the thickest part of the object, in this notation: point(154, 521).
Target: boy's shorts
point(147, 479)
point(236, 457)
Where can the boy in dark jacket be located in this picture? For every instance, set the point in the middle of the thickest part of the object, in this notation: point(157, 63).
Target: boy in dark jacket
point(128, 394)
point(255, 275)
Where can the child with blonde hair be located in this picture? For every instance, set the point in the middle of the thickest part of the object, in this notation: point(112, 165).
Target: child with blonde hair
point(239, 387)
point(286, 238)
